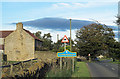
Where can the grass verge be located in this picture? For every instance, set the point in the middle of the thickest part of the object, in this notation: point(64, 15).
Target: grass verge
point(81, 70)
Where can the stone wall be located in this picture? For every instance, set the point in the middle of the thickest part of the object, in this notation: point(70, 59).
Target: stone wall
point(0, 65)
point(19, 45)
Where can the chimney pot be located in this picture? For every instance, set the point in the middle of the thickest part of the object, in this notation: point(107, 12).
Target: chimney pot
point(19, 26)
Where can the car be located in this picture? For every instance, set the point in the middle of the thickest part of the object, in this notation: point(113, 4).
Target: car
point(96, 59)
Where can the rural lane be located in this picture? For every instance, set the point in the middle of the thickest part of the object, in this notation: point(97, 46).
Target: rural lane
point(104, 69)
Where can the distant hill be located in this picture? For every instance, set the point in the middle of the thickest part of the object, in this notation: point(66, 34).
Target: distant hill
point(56, 23)
point(59, 24)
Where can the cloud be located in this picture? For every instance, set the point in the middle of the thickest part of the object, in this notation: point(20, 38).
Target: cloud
point(64, 4)
point(60, 0)
point(76, 5)
point(61, 33)
point(54, 33)
point(116, 39)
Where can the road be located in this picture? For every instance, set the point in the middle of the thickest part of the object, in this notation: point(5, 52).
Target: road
point(104, 69)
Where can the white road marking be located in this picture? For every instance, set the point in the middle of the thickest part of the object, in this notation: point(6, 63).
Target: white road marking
point(113, 69)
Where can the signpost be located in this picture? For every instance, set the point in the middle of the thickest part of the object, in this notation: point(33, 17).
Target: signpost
point(65, 53)
point(89, 57)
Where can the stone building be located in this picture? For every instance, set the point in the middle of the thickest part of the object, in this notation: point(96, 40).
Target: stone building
point(3, 35)
point(20, 44)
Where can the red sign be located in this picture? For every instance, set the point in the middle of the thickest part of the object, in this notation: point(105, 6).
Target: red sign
point(65, 39)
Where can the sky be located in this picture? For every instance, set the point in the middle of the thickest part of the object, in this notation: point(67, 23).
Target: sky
point(13, 11)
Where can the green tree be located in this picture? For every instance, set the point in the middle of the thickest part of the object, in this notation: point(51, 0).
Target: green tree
point(94, 39)
point(115, 50)
point(47, 42)
point(38, 34)
point(59, 46)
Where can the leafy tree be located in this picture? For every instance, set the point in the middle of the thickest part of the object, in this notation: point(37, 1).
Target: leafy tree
point(47, 42)
point(93, 39)
point(59, 46)
point(115, 50)
point(38, 34)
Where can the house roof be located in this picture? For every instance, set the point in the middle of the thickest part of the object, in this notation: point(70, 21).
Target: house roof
point(1, 47)
point(4, 34)
point(32, 35)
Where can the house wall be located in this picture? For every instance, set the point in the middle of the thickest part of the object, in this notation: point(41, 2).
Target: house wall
point(1, 43)
point(19, 45)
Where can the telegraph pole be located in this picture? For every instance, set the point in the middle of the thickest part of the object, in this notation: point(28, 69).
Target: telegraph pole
point(57, 37)
point(70, 37)
point(71, 48)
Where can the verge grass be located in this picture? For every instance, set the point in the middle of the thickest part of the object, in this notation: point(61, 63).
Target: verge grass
point(81, 70)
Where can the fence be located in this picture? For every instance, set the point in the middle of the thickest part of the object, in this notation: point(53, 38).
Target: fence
point(0, 65)
point(15, 64)
point(35, 70)
point(65, 71)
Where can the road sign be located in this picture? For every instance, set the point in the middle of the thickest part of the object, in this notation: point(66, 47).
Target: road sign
point(66, 53)
point(88, 54)
point(65, 39)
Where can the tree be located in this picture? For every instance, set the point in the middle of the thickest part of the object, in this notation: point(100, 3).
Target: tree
point(59, 46)
point(94, 39)
point(47, 42)
point(38, 34)
point(115, 50)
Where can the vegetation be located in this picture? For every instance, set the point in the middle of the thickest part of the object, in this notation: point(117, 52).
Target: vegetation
point(94, 39)
point(59, 47)
point(47, 42)
point(81, 70)
point(55, 71)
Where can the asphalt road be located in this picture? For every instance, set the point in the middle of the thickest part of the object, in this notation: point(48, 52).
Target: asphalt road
point(104, 69)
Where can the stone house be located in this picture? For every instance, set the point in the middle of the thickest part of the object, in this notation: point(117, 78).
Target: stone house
point(3, 35)
point(20, 44)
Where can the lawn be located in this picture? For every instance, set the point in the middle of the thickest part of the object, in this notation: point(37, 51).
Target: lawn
point(81, 70)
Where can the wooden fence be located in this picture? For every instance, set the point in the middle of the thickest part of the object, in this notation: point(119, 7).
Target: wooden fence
point(14, 64)
point(36, 69)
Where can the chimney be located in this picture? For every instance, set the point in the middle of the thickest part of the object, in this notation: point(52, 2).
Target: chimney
point(19, 26)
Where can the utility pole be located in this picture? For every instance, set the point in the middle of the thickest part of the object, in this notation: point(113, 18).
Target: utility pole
point(71, 48)
point(57, 37)
point(70, 37)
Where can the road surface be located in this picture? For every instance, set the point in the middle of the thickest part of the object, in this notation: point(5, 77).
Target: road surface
point(104, 69)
